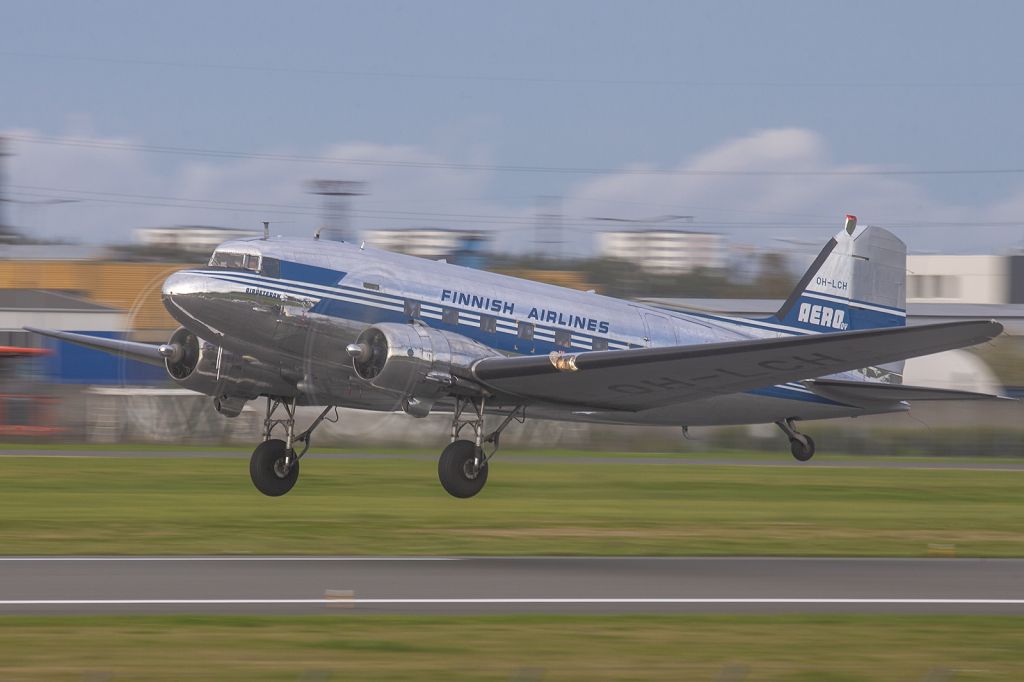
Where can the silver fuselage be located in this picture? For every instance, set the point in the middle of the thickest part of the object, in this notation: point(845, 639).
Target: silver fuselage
point(296, 312)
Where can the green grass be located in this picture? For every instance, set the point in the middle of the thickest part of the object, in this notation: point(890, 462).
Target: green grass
point(119, 447)
point(778, 455)
point(56, 505)
point(343, 646)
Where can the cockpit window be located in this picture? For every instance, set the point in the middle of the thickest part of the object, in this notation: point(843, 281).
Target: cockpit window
point(225, 259)
point(240, 261)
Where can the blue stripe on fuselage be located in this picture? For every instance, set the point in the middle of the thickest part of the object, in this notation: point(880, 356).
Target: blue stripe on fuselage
point(311, 274)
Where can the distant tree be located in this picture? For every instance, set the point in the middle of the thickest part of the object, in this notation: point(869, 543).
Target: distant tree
point(775, 277)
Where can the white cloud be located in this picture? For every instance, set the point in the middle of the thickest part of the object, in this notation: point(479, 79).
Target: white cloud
point(122, 188)
point(787, 199)
point(435, 193)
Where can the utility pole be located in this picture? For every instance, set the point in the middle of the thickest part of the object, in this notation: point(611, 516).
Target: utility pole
point(547, 237)
point(6, 229)
point(337, 196)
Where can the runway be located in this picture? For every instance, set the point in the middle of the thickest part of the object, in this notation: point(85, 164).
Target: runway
point(363, 585)
point(782, 460)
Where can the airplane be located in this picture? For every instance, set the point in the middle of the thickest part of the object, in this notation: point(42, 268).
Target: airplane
point(335, 324)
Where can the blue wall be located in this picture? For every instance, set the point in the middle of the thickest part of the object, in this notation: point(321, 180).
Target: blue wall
point(73, 364)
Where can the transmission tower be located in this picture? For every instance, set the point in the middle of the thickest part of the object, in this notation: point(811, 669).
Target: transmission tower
point(6, 229)
point(337, 196)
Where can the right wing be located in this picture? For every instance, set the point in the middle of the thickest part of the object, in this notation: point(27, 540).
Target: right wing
point(133, 350)
point(644, 378)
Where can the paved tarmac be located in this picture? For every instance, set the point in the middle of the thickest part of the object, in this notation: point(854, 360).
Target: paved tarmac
point(782, 460)
point(358, 585)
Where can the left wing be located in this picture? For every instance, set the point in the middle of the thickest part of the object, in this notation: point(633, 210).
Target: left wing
point(133, 350)
point(644, 378)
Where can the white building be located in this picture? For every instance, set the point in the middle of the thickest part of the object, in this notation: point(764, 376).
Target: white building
point(665, 251)
point(426, 242)
point(958, 279)
point(192, 238)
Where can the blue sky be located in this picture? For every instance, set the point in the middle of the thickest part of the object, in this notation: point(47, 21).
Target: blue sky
point(600, 85)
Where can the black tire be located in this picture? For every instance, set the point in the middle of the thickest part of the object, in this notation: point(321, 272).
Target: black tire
point(455, 470)
point(802, 452)
point(266, 468)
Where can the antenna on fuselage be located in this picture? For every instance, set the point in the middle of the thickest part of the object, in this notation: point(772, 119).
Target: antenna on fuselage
point(266, 229)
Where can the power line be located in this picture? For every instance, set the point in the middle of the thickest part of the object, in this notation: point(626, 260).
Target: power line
point(501, 168)
point(521, 79)
point(125, 198)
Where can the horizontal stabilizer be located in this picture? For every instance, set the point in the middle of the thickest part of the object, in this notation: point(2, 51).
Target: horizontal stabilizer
point(133, 350)
point(856, 392)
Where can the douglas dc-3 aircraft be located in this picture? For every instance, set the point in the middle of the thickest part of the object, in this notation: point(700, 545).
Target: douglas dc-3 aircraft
point(310, 322)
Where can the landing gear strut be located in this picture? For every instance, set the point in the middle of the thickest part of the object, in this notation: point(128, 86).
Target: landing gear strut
point(801, 445)
point(274, 466)
point(462, 467)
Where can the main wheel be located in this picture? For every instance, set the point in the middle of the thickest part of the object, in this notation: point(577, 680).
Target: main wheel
point(800, 451)
point(458, 472)
point(269, 471)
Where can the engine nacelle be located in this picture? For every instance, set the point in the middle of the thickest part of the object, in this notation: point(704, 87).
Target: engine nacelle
point(415, 361)
point(201, 366)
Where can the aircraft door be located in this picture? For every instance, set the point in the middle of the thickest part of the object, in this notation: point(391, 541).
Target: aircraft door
point(660, 330)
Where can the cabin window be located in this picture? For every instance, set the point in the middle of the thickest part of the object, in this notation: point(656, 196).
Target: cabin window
point(600, 344)
point(271, 267)
point(526, 331)
point(488, 324)
point(412, 309)
point(450, 316)
point(563, 338)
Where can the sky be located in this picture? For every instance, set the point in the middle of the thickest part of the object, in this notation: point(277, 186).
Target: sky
point(765, 121)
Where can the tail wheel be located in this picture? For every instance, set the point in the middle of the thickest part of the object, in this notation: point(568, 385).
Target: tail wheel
point(462, 472)
point(273, 468)
point(802, 451)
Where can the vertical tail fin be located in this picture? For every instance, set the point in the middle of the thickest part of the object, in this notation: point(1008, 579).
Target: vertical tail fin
point(858, 281)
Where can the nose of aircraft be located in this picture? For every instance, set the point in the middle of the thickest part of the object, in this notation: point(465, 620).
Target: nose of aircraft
point(180, 291)
point(180, 284)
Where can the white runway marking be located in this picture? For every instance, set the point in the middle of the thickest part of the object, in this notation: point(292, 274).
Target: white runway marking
point(516, 600)
point(521, 558)
point(225, 558)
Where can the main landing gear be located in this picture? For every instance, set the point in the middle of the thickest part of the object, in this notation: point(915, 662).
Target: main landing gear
point(801, 445)
point(274, 466)
point(462, 467)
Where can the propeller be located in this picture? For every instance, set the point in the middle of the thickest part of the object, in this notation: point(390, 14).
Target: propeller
point(369, 353)
point(181, 353)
